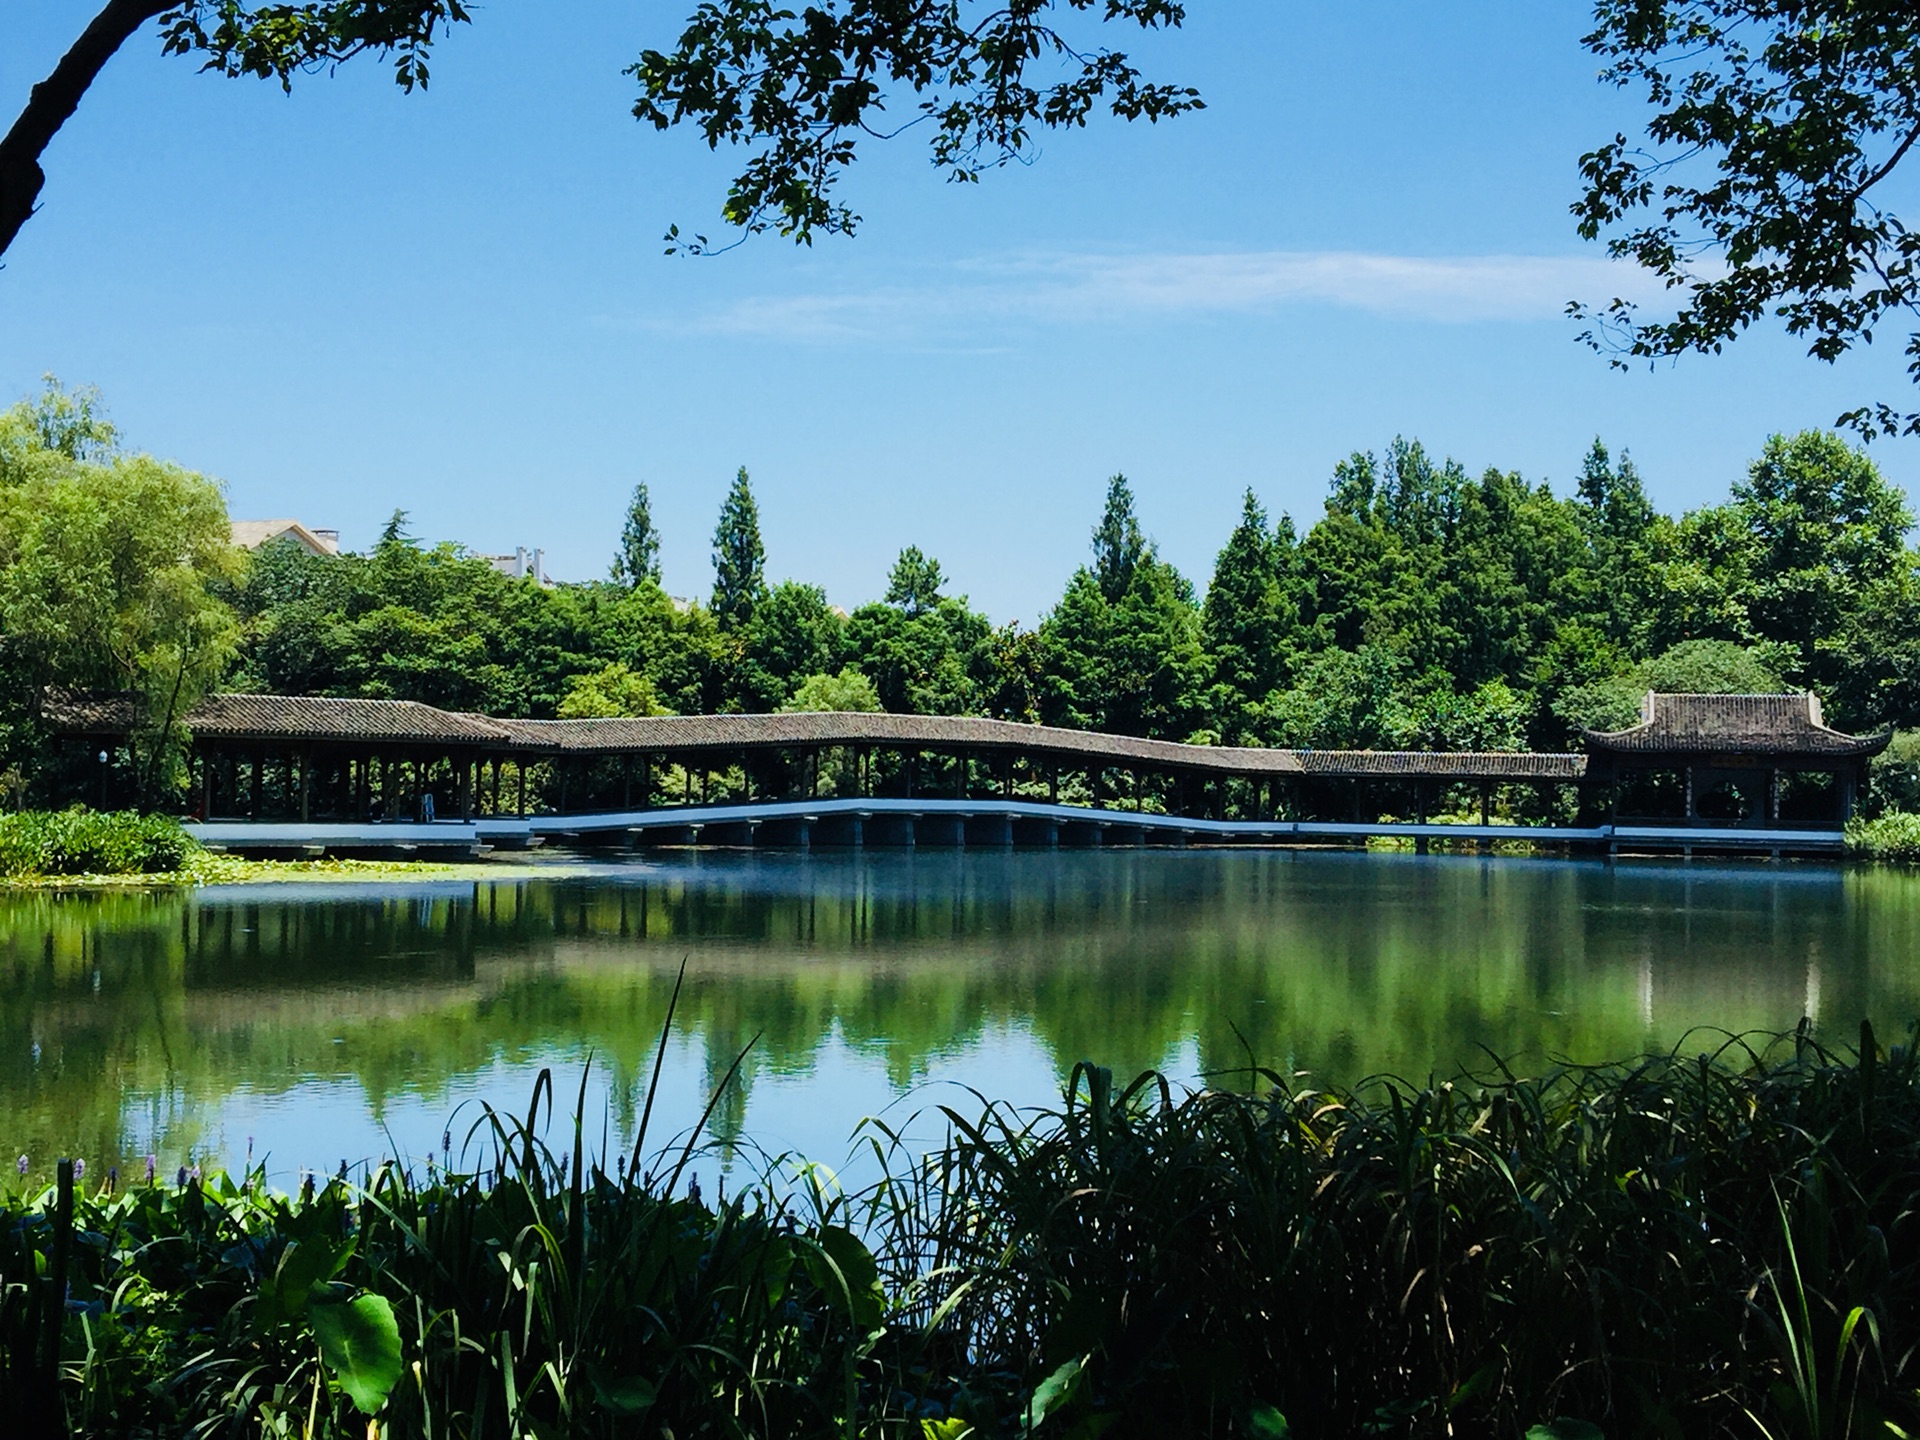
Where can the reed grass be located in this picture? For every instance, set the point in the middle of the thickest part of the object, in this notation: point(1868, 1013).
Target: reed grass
point(1699, 1243)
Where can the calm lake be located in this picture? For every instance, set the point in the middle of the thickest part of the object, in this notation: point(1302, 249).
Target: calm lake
point(320, 1023)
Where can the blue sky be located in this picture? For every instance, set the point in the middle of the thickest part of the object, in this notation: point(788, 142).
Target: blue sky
point(349, 299)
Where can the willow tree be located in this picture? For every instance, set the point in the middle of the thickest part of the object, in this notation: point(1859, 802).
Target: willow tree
point(108, 563)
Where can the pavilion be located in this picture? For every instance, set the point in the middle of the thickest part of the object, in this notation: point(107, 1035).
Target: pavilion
point(1716, 761)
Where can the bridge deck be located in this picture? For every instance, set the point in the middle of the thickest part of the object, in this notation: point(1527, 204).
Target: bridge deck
point(800, 823)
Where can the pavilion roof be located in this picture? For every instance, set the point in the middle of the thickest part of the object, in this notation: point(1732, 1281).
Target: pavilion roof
point(1770, 725)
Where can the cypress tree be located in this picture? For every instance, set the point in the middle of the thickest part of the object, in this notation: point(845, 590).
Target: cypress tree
point(739, 559)
point(639, 557)
point(1118, 544)
point(1251, 611)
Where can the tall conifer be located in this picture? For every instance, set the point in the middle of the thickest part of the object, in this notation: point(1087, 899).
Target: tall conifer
point(1118, 543)
point(639, 557)
point(739, 559)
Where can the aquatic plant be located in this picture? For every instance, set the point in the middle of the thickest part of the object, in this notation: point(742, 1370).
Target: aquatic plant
point(1724, 1242)
point(78, 841)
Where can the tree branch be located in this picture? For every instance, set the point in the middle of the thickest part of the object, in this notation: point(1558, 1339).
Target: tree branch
point(52, 103)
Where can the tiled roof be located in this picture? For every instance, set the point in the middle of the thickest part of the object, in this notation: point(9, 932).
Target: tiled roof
point(724, 732)
point(1444, 765)
point(1725, 724)
point(289, 717)
point(317, 718)
point(1734, 725)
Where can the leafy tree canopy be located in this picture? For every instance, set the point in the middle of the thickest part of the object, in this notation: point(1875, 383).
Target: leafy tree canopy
point(848, 691)
point(800, 90)
point(613, 691)
point(1762, 187)
point(914, 584)
point(110, 564)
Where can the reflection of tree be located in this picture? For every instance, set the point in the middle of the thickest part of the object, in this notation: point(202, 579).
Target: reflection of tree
point(1343, 965)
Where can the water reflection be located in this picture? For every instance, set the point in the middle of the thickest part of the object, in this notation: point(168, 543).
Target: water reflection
point(328, 1023)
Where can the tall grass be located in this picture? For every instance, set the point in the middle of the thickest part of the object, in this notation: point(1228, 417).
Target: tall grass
point(1695, 1244)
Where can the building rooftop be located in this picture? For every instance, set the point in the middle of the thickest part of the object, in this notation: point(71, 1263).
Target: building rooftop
point(252, 534)
point(1757, 725)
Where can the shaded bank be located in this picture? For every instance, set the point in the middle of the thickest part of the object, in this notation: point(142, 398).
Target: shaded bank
point(1694, 1244)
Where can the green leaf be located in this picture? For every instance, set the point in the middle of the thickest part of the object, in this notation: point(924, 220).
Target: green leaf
point(1564, 1429)
point(628, 1395)
point(360, 1342)
point(304, 1264)
point(1055, 1391)
point(1266, 1423)
point(855, 1290)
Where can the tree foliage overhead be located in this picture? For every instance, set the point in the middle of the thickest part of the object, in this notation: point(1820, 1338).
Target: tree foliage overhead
point(1762, 188)
point(801, 89)
point(273, 41)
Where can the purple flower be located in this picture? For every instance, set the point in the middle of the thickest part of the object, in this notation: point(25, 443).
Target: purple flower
point(79, 1169)
point(152, 1166)
point(23, 1165)
point(180, 1177)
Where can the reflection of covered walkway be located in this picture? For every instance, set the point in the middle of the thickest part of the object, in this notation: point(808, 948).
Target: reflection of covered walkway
point(278, 772)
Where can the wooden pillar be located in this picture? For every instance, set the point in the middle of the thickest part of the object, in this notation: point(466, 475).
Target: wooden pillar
point(520, 786)
point(1053, 782)
point(306, 785)
point(259, 775)
point(206, 785)
point(1688, 776)
point(566, 770)
point(626, 782)
point(960, 776)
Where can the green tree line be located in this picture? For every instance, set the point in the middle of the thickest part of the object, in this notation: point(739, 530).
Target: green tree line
point(1424, 608)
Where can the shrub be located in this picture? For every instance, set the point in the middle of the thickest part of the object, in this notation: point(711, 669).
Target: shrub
point(79, 841)
point(1892, 837)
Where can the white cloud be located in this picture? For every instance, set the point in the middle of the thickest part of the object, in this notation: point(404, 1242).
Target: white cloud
point(1091, 289)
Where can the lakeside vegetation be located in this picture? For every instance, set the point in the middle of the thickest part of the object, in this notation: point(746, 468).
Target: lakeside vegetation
point(81, 846)
point(1426, 608)
point(1699, 1243)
